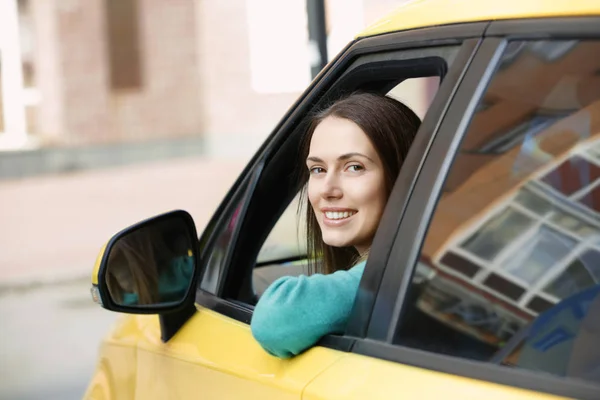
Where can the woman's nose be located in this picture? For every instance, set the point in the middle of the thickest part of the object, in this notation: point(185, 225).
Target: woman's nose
point(331, 187)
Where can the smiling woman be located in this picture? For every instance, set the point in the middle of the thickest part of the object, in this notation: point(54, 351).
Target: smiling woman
point(353, 152)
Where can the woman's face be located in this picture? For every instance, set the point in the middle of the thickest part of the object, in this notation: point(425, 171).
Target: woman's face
point(346, 186)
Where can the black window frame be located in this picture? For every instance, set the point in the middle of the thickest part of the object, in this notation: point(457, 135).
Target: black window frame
point(402, 262)
point(465, 37)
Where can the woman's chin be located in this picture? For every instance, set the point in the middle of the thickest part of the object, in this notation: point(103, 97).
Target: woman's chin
point(337, 241)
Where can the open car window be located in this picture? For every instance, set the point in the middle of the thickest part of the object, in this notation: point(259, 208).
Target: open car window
point(286, 240)
point(509, 271)
point(284, 251)
point(265, 236)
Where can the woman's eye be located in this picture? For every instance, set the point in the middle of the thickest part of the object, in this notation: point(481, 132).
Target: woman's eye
point(355, 168)
point(316, 170)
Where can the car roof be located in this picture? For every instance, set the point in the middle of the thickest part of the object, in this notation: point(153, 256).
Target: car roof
point(426, 13)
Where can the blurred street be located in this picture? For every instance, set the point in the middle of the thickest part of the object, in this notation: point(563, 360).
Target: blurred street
point(51, 329)
point(49, 341)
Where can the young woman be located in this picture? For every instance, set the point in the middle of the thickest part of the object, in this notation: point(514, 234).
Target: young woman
point(353, 151)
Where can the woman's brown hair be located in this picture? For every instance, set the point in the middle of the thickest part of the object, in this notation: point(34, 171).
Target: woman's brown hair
point(391, 127)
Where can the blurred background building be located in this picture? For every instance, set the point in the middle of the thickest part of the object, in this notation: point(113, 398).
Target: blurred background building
point(180, 77)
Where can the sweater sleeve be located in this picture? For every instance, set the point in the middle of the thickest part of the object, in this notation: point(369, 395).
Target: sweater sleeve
point(295, 312)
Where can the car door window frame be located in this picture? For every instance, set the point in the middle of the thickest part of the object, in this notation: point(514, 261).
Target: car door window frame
point(399, 197)
point(467, 38)
point(402, 263)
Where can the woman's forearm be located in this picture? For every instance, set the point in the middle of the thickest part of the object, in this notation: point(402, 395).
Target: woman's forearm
point(295, 312)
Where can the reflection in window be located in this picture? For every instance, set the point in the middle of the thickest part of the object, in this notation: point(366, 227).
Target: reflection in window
point(538, 304)
point(489, 240)
point(528, 127)
point(594, 151)
point(573, 224)
point(538, 255)
point(552, 50)
point(581, 274)
point(514, 242)
point(224, 233)
point(504, 286)
point(572, 175)
point(460, 264)
point(592, 199)
point(533, 202)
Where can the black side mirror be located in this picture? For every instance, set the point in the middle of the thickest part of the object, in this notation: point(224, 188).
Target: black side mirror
point(150, 267)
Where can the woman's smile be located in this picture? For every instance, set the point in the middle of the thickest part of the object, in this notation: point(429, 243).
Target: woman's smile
point(337, 216)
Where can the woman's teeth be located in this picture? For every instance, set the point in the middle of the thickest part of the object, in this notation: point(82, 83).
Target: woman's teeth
point(339, 215)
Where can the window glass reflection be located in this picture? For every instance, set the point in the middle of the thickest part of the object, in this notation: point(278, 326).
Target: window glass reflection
point(533, 202)
point(513, 246)
point(488, 241)
point(573, 224)
point(538, 255)
point(581, 274)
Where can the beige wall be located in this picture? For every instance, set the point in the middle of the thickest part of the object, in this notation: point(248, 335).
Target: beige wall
point(233, 113)
point(79, 107)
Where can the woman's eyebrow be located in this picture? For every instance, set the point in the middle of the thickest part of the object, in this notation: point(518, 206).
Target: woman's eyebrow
point(350, 155)
point(341, 158)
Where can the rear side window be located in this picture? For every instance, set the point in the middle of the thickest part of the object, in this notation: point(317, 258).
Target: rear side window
point(509, 271)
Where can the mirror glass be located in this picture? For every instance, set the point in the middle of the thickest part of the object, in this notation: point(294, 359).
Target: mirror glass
point(152, 264)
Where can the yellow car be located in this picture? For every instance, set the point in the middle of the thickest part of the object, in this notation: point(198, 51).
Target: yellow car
point(483, 281)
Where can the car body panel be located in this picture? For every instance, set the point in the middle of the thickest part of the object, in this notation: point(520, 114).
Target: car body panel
point(96, 269)
point(426, 13)
point(115, 375)
point(361, 377)
point(197, 361)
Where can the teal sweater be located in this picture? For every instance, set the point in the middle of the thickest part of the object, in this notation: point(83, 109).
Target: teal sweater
point(295, 312)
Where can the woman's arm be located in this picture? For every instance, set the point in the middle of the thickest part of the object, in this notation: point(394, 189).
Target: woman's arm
point(295, 312)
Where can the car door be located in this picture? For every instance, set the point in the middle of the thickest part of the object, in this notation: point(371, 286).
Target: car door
point(213, 355)
point(491, 289)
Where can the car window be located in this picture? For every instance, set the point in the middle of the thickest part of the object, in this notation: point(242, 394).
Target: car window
point(225, 235)
point(509, 271)
point(284, 250)
point(416, 93)
point(287, 240)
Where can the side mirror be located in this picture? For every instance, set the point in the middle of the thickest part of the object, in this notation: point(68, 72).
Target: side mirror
point(150, 267)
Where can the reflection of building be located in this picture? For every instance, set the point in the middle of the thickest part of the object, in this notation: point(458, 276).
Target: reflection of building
point(517, 229)
point(128, 70)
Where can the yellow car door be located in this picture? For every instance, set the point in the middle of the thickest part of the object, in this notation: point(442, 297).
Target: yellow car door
point(361, 377)
point(492, 286)
point(215, 357)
